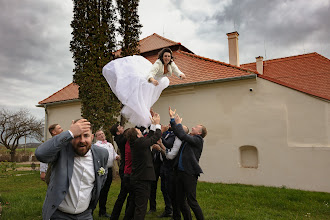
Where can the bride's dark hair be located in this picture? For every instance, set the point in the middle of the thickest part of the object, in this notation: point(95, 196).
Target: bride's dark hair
point(161, 53)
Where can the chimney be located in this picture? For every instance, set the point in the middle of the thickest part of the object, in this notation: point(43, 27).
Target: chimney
point(260, 64)
point(233, 48)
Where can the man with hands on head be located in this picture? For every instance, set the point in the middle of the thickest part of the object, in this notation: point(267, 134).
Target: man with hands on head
point(186, 164)
point(78, 173)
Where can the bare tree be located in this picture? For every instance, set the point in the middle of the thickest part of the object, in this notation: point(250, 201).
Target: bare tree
point(16, 125)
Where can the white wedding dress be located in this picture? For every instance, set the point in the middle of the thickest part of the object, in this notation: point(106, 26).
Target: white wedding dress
point(127, 78)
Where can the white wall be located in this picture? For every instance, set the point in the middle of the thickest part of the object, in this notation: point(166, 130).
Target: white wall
point(63, 115)
point(289, 129)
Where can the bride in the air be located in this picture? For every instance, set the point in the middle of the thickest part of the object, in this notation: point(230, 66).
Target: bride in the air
point(138, 83)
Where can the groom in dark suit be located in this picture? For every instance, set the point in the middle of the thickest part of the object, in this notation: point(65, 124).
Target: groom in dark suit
point(78, 173)
point(187, 166)
point(142, 166)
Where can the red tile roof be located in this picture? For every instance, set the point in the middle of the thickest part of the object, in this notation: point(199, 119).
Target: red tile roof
point(308, 73)
point(200, 69)
point(196, 68)
point(154, 42)
point(70, 92)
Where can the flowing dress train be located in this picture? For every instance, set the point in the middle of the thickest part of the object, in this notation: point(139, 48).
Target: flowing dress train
point(127, 78)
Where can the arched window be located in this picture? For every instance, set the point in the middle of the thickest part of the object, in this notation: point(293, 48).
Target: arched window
point(249, 156)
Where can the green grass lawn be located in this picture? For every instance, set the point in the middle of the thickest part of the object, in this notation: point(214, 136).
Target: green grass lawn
point(22, 195)
point(26, 150)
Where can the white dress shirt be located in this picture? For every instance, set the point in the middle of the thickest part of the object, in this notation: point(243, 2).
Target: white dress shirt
point(110, 149)
point(171, 153)
point(43, 167)
point(153, 127)
point(79, 194)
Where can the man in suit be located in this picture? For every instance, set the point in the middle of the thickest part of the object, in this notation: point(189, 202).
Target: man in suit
point(102, 142)
point(167, 141)
point(118, 132)
point(187, 164)
point(142, 166)
point(45, 169)
point(78, 173)
point(153, 191)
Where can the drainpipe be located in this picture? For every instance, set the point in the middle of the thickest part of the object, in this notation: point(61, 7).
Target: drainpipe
point(46, 123)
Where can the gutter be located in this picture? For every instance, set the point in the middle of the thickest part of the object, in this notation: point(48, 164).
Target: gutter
point(253, 76)
point(59, 102)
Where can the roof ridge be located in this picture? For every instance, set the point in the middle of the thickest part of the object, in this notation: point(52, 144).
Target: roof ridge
point(298, 56)
point(279, 81)
point(56, 92)
point(144, 39)
point(216, 61)
point(164, 38)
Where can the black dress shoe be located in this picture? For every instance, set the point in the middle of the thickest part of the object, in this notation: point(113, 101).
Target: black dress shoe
point(165, 215)
point(106, 215)
point(151, 211)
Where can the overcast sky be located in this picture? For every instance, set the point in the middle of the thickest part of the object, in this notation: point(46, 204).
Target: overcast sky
point(35, 35)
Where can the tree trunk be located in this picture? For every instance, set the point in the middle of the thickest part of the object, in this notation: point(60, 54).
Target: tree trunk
point(12, 156)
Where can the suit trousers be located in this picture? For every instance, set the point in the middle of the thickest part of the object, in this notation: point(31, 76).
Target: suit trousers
point(124, 190)
point(59, 215)
point(104, 193)
point(165, 185)
point(153, 192)
point(185, 209)
point(141, 194)
point(130, 203)
point(186, 189)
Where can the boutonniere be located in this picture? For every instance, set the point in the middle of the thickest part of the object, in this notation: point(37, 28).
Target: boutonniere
point(101, 171)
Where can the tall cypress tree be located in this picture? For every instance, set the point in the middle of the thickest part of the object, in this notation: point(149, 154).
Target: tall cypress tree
point(129, 26)
point(129, 29)
point(93, 45)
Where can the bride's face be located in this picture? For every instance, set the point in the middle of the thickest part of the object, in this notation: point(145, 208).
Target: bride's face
point(166, 57)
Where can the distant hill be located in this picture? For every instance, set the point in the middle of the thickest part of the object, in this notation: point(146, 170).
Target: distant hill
point(29, 145)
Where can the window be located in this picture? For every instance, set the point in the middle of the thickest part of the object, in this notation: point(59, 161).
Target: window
point(248, 156)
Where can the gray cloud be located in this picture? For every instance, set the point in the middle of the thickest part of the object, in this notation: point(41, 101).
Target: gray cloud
point(280, 27)
point(35, 60)
point(276, 24)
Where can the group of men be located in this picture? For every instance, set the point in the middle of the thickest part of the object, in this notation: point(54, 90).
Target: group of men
point(81, 172)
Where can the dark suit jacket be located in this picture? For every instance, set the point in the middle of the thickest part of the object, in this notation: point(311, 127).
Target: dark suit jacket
point(142, 165)
point(191, 148)
point(168, 141)
point(59, 150)
point(121, 141)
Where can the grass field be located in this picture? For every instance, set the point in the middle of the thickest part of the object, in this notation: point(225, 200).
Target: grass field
point(22, 195)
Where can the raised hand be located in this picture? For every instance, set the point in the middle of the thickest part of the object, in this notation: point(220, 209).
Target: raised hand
point(177, 119)
point(164, 128)
point(156, 119)
point(152, 112)
point(156, 147)
point(171, 112)
point(80, 127)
